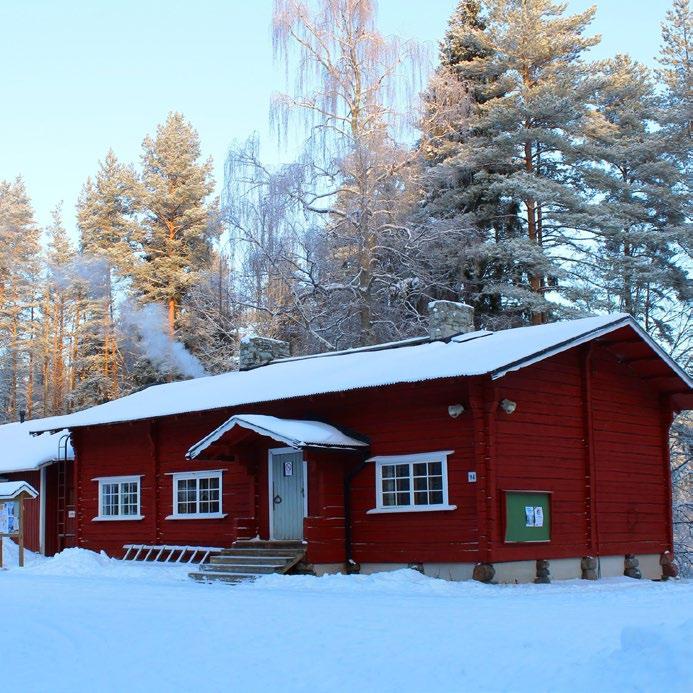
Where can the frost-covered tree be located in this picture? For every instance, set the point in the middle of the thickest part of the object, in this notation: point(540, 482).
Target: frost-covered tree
point(474, 264)
point(211, 316)
point(676, 71)
point(681, 443)
point(635, 263)
point(354, 177)
point(271, 259)
point(518, 142)
point(178, 216)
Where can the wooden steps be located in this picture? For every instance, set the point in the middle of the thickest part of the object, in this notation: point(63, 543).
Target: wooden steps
point(247, 560)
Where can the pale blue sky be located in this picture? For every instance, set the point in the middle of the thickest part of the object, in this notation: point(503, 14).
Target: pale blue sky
point(80, 76)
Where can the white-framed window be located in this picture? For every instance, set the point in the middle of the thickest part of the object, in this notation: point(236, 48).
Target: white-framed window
point(119, 498)
point(412, 483)
point(197, 495)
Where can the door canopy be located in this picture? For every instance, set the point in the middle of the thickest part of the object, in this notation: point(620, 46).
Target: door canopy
point(295, 433)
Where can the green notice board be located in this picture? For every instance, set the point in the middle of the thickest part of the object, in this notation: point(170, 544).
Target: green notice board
point(527, 516)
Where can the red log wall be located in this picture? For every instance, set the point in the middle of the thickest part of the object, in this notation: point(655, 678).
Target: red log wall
point(543, 445)
point(632, 463)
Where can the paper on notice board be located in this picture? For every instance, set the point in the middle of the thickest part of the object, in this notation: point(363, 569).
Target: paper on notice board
point(529, 516)
point(538, 516)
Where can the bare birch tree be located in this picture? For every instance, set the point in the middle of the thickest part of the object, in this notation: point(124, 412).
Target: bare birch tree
point(353, 181)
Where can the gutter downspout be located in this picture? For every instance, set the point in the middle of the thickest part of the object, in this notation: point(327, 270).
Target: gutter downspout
point(351, 565)
point(42, 511)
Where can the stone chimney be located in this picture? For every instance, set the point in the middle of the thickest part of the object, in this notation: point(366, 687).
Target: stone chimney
point(448, 318)
point(259, 351)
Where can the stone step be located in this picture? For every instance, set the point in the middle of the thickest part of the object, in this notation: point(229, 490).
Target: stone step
point(240, 569)
point(223, 577)
point(291, 543)
point(280, 546)
point(243, 551)
point(229, 559)
point(247, 560)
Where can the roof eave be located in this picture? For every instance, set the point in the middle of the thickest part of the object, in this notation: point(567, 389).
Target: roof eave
point(588, 337)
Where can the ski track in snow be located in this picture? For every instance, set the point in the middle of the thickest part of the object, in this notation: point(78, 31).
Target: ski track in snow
point(84, 622)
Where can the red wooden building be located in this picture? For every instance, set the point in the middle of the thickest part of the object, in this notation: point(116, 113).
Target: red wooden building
point(45, 462)
point(499, 451)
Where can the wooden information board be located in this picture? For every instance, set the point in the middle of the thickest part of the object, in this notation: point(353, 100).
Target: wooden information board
point(12, 497)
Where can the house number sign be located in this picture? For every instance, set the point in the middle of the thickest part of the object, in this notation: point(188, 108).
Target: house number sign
point(288, 468)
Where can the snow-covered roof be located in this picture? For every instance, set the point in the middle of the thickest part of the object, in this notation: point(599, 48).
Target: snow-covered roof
point(475, 353)
point(294, 432)
point(20, 451)
point(9, 490)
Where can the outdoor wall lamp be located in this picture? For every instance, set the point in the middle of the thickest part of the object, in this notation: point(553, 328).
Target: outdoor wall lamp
point(508, 406)
point(455, 410)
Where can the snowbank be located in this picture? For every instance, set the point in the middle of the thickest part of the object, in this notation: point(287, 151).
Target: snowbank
point(89, 564)
point(10, 554)
point(101, 624)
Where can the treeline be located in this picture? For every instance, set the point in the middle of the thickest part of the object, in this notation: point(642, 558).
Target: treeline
point(83, 325)
point(541, 185)
point(518, 176)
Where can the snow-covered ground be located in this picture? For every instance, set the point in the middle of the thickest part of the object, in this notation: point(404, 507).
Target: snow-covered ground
point(84, 622)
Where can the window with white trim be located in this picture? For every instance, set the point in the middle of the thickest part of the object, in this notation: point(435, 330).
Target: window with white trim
point(197, 494)
point(119, 498)
point(416, 482)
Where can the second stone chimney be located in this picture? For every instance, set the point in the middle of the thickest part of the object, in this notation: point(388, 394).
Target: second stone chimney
point(259, 351)
point(448, 318)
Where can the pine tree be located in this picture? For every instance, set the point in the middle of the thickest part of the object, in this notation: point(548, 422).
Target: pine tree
point(676, 72)
point(476, 266)
point(19, 279)
point(639, 200)
point(57, 314)
point(108, 237)
point(179, 222)
point(520, 139)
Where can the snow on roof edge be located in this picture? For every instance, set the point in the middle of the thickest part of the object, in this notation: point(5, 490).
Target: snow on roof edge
point(11, 489)
point(23, 450)
point(271, 429)
point(508, 342)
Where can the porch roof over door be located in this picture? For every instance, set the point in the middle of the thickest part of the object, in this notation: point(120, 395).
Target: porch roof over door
point(296, 433)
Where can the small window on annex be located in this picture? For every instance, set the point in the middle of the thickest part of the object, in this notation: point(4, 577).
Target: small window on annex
point(412, 482)
point(196, 494)
point(119, 498)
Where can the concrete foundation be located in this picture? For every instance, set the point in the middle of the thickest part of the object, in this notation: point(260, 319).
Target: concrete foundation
point(328, 569)
point(514, 571)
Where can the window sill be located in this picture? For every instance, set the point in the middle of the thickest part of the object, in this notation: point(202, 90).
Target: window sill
point(118, 518)
point(208, 516)
point(411, 509)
